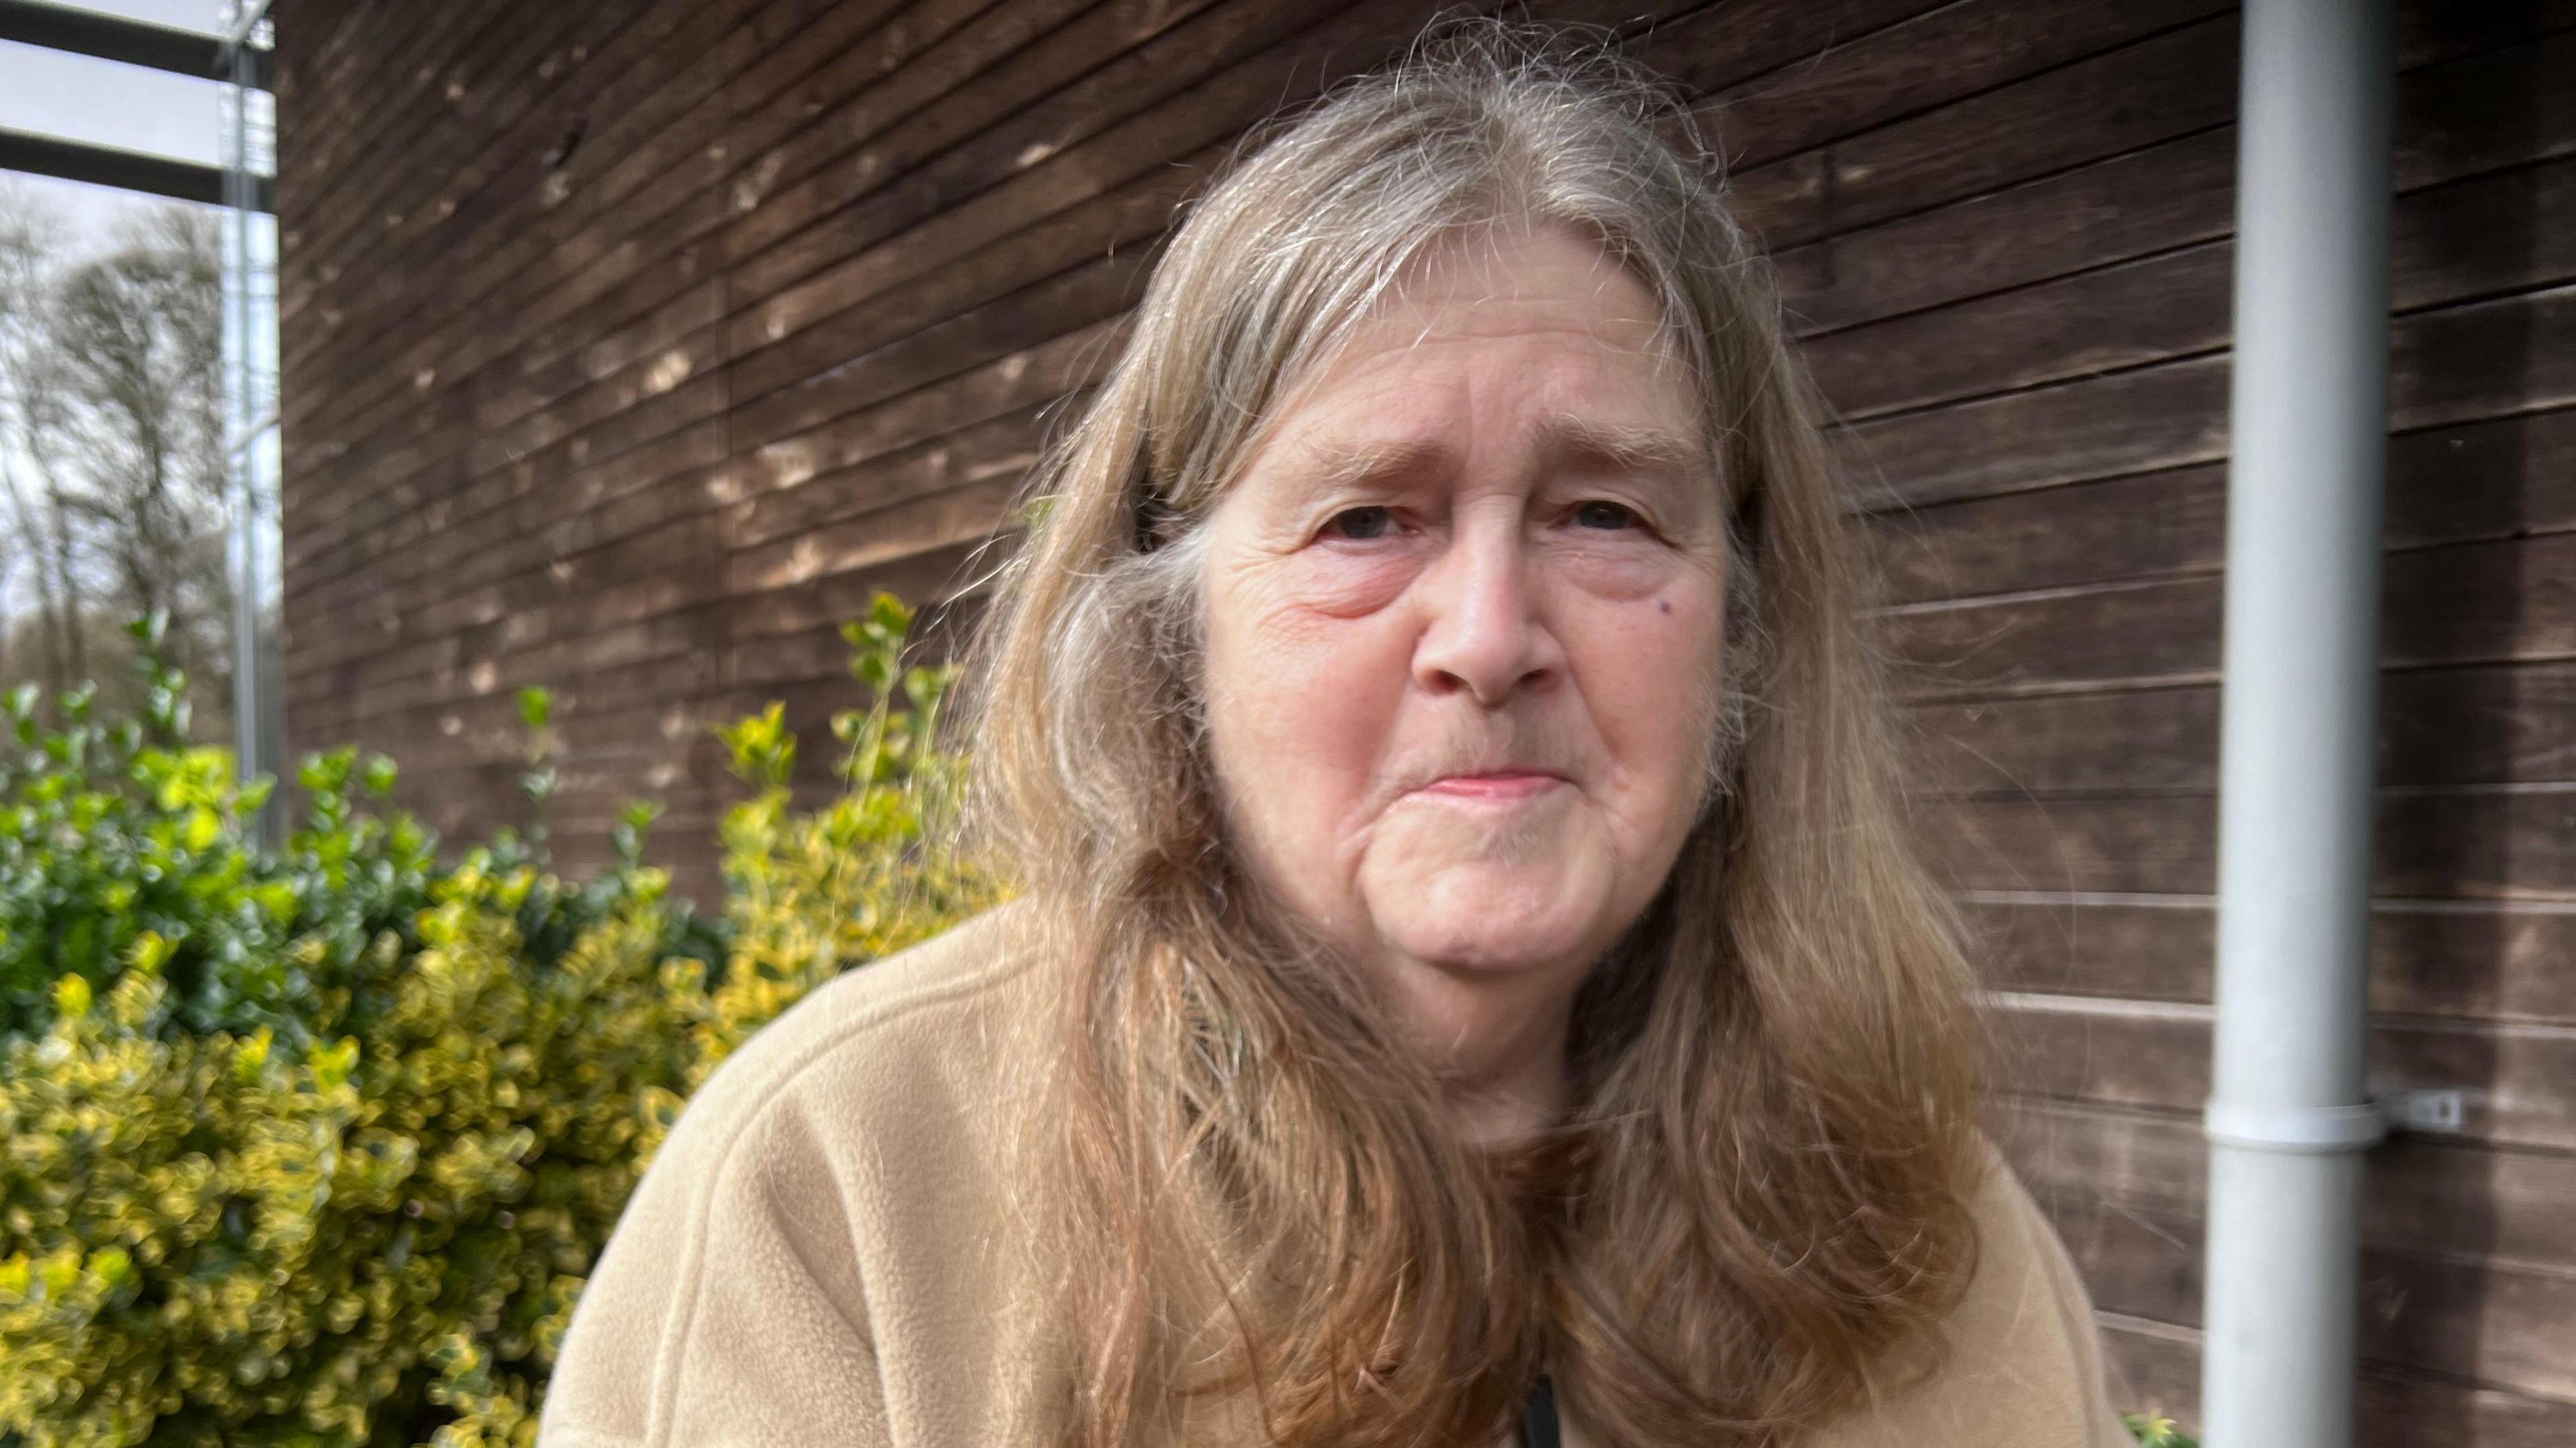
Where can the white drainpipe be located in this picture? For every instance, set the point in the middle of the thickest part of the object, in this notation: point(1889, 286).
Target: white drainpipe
point(2289, 1117)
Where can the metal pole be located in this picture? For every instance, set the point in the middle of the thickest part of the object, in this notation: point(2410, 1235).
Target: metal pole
point(256, 749)
point(2288, 1116)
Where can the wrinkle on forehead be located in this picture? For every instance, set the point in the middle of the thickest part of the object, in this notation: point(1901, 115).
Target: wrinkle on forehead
point(1480, 266)
point(1487, 264)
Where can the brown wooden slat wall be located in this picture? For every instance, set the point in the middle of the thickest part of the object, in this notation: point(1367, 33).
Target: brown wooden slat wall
point(630, 344)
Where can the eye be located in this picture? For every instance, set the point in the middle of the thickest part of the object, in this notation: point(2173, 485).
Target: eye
point(1605, 515)
point(1360, 523)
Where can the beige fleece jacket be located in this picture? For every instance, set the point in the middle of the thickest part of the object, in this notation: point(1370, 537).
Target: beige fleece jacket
point(819, 1255)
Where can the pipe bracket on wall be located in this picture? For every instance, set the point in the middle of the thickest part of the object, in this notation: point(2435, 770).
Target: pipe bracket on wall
point(2294, 1128)
point(2426, 1112)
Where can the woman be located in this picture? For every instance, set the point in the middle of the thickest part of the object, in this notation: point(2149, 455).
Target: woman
point(1469, 981)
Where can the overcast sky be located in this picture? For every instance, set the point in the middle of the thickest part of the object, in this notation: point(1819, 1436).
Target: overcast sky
point(85, 99)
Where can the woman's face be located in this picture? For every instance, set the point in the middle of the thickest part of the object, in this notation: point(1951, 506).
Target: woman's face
point(1464, 612)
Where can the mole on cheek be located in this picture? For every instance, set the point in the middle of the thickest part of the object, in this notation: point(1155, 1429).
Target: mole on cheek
point(1663, 605)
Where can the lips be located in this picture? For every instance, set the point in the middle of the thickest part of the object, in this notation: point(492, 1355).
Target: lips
point(1499, 785)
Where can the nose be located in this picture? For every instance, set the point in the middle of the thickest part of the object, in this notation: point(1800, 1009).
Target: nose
point(1483, 631)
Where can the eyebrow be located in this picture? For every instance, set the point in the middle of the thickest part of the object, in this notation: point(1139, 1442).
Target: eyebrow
point(1332, 464)
point(1625, 447)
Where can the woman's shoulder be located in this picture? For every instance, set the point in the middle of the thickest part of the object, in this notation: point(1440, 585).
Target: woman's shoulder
point(849, 1146)
point(945, 1005)
point(2021, 1359)
point(893, 1068)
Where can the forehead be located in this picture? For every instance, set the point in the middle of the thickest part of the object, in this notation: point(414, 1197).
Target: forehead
point(1494, 278)
point(1536, 329)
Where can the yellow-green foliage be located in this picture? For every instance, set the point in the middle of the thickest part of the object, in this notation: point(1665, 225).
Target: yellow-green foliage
point(2154, 1430)
point(317, 1145)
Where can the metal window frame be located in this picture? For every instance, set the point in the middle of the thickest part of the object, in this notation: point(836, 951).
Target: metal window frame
point(231, 61)
point(220, 58)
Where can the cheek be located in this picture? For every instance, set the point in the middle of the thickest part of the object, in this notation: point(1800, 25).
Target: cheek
point(1649, 663)
point(1300, 700)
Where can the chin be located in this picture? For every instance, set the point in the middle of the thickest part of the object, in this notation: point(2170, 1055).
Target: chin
point(1492, 931)
point(1476, 895)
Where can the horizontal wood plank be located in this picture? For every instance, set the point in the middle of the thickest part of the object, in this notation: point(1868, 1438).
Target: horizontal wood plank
point(2504, 843)
point(547, 319)
point(2461, 364)
point(2487, 602)
point(2504, 231)
point(2422, 1194)
point(2470, 960)
point(1923, 63)
point(2467, 1320)
point(2517, 1082)
point(2156, 90)
point(2473, 725)
point(2494, 479)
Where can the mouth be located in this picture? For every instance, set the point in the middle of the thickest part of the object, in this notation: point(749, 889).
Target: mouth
point(1498, 786)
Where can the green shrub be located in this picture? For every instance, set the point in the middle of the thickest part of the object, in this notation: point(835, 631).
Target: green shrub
point(2154, 1430)
point(316, 1144)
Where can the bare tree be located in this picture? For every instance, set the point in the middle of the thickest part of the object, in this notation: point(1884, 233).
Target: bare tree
point(112, 442)
point(135, 357)
point(39, 513)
